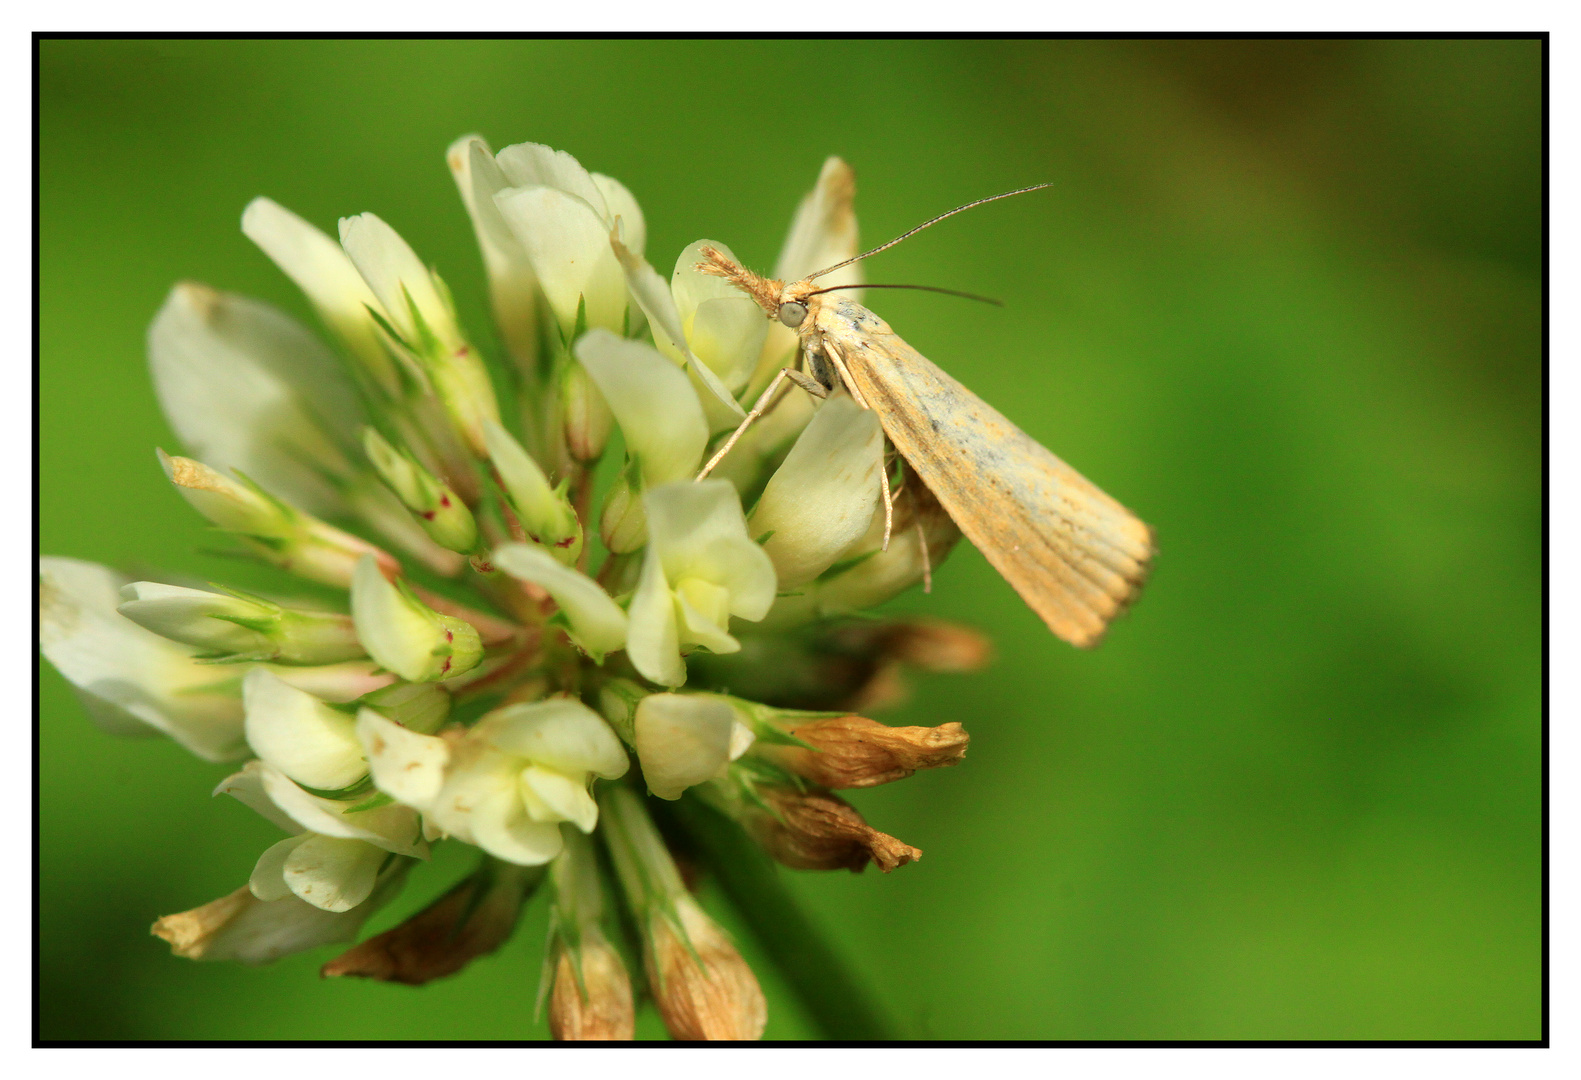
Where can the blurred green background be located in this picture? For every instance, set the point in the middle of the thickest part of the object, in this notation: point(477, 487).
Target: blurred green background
point(1283, 300)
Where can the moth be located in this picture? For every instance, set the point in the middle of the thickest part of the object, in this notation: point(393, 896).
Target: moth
point(1076, 556)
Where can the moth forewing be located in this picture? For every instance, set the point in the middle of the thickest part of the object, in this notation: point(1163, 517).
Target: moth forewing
point(1075, 555)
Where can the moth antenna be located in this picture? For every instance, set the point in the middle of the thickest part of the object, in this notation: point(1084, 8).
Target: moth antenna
point(923, 288)
point(924, 225)
point(765, 291)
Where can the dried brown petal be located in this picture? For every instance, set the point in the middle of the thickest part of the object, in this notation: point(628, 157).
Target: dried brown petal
point(445, 936)
point(820, 831)
point(600, 1007)
point(855, 752)
point(717, 1000)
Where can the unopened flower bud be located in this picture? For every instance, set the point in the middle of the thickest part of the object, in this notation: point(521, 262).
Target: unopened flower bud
point(587, 415)
point(544, 512)
point(283, 535)
point(623, 526)
point(419, 314)
point(815, 830)
point(421, 707)
point(471, 920)
point(237, 626)
point(407, 636)
point(855, 752)
point(443, 515)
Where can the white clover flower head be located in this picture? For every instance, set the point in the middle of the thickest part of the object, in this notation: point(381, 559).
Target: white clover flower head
point(493, 573)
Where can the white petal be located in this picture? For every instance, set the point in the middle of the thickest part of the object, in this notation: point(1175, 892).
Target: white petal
point(247, 387)
point(653, 401)
point(397, 634)
point(652, 294)
point(727, 334)
point(536, 165)
point(513, 287)
point(247, 788)
point(567, 242)
point(140, 682)
point(598, 624)
point(502, 828)
point(698, 530)
point(652, 636)
point(741, 740)
point(551, 796)
point(682, 739)
point(333, 874)
point(268, 878)
point(620, 203)
point(301, 736)
point(561, 733)
point(406, 765)
point(703, 618)
point(394, 272)
point(691, 287)
point(393, 828)
point(822, 499)
point(823, 232)
point(322, 270)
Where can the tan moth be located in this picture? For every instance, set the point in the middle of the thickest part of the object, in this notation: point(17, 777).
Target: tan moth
point(1076, 556)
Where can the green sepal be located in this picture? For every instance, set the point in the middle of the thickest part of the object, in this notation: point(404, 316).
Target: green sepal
point(847, 564)
point(350, 791)
point(372, 802)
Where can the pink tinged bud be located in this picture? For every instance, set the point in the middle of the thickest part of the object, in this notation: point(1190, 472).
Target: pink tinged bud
point(544, 512)
point(405, 635)
point(439, 510)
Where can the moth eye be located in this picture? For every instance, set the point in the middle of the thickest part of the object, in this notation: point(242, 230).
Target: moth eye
point(792, 314)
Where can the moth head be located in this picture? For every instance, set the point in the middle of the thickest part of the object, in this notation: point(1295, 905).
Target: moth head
point(792, 303)
point(793, 313)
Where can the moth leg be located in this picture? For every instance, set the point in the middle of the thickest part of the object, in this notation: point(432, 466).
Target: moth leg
point(889, 504)
point(927, 564)
point(764, 403)
point(845, 374)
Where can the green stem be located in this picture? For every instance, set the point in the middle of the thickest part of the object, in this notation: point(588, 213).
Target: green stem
point(825, 985)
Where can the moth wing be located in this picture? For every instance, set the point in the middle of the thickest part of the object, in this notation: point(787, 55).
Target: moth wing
point(1076, 556)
